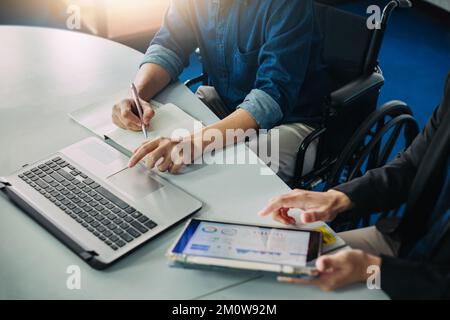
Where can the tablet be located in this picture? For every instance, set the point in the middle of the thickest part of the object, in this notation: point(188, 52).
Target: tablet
point(214, 244)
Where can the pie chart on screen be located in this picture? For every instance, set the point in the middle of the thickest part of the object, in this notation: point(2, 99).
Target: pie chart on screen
point(209, 229)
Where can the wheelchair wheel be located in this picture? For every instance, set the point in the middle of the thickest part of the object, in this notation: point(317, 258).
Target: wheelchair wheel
point(372, 146)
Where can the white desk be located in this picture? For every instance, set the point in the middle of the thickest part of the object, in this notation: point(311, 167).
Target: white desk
point(45, 74)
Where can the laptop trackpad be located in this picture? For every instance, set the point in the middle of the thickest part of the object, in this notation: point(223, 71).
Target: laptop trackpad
point(136, 183)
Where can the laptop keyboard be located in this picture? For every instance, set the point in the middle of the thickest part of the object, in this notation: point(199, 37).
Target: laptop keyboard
point(99, 211)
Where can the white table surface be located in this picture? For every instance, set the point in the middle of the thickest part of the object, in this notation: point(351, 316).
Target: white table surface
point(47, 73)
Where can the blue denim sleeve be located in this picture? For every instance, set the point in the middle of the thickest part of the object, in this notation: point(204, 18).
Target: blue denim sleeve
point(165, 58)
point(283, 62)
point(175, 41)
point(263, 108)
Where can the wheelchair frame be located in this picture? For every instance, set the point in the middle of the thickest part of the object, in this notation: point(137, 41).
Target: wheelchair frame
point(332, 169)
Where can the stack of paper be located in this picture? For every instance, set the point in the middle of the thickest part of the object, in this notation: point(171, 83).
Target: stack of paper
point(331, 241)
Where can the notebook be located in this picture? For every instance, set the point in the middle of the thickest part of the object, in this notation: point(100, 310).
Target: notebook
point(169, 121)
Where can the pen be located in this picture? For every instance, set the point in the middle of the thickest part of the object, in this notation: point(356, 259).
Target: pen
point(139, 108)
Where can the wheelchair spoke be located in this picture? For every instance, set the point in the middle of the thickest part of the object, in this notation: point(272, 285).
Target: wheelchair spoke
point(389, 145)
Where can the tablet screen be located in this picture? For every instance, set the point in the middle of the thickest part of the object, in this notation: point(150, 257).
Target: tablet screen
point(243, 242)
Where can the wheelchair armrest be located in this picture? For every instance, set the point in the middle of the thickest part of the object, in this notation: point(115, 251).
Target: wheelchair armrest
point(301, 154)
point(356, 89)
point(199, 79)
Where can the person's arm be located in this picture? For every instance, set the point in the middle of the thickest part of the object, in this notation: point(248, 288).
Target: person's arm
point(163, 62)
point(289, 31)
point(340, 269)
point(150, 79)
point(402, 279)
point(379, 189)
point(316, 206)
point(399, 279)
point(283, 62)
point(171, 150)
point(172, 45)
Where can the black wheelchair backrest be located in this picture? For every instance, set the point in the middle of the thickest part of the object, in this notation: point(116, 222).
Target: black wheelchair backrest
point(346, 41)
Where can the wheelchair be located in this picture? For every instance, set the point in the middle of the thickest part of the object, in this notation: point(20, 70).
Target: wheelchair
point(354, 136)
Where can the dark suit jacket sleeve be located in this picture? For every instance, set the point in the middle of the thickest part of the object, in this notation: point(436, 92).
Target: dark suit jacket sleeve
point(388, 187)
point(402, 279)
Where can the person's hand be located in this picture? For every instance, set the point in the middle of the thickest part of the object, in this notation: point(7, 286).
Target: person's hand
point(158, 151)
point(338, 270)
point(323, 206)
point(125, 114)
point(165, 153)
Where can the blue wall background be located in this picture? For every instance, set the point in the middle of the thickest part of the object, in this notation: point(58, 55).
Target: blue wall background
point(415, 57)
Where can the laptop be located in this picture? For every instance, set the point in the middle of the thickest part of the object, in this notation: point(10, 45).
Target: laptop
point(89, 199)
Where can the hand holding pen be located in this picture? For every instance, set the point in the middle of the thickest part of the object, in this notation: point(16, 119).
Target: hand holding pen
point(139, 108)
point(126, 113)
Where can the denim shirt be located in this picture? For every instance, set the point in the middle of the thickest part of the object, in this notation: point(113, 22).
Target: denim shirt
point(263, 56)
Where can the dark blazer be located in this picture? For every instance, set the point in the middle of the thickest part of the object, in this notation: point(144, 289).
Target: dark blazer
point(414, 177)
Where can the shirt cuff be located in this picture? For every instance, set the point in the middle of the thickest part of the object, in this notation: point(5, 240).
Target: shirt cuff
point(359, 191)
point(263, 108)
point(165, 58)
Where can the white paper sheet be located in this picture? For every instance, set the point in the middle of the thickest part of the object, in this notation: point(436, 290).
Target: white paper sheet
point(169, 121)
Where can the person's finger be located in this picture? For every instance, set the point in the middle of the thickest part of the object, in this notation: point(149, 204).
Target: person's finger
point(284, 201)
point(310, 216)
point(284, 210)
point(149, 113)
point(306, 281)
point(285, 213)
point(328, 262)
point(178, 156)
point(332, 281)
point(317, 214)
point(117, 122)
point(144, 143)
point(325, 282)
point(165, 165)
point(176, 165)
point(131, 125)
point(116, 117)
point(286, 216)
point(183, 150)
point(277, 217)
point(128, 117)
point(154, 156)
point(142, 152)
point(271, 208)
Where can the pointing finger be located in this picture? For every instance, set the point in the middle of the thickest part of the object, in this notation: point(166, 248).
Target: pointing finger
point(142, 152)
